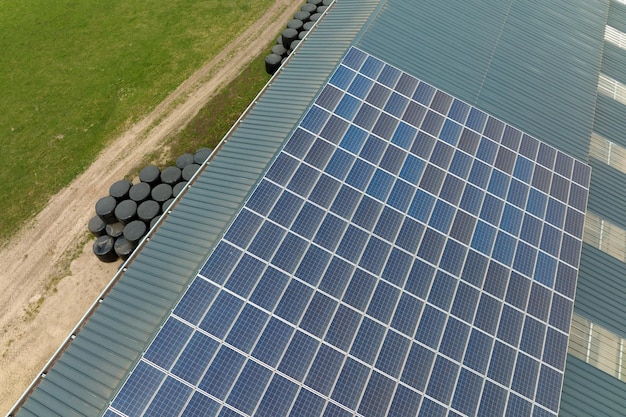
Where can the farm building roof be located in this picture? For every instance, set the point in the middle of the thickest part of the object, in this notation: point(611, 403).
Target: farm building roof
point(533, 65)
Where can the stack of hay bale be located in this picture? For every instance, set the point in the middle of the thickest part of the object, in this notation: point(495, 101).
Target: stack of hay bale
point(130, 210)
point(297, 28)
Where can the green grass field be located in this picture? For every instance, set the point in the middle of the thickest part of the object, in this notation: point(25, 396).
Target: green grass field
point(75, 73)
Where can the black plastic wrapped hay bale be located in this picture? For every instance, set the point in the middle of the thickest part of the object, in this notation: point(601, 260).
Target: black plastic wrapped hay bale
point(166, 205)
point(126, 211)
point(295, 24)
point(135, 231)
point(322, 9)
point(105, 209)
point(161, 193)
point(151, 175)
point(119, 190)
point(314, 2)
point(140, 192)
point(202, 155)
point(301, 15)
point(104, 250)
point(97, 226)
point(123, 248)
point(315, 17)
point(114, 229)
point(310, 8)
point(308, 25)
point(148, 210)
point(289, 35)
point(178, 188)
point(302, 34)
point(190, 171)
point(326, 2)
point(184, 160)
point(154, 221)
point(171, 176)
point(272, 63)
point(279, 50)
point(294, 45)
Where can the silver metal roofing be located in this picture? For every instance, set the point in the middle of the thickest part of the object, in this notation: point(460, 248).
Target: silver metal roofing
point(530, 63)
point(534, 64)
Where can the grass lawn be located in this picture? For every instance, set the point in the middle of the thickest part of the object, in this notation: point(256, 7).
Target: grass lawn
point(75, 73)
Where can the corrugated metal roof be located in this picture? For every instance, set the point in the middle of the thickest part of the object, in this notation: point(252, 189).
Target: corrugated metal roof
point(533, 64)
point(610, 119)
point(582, 397)
point(607, 194)
point(617, 15)
point(600, 292)
point(602, 279)
point(614, 62)
point(429, 40)
point(85, 378)
point(544, 73)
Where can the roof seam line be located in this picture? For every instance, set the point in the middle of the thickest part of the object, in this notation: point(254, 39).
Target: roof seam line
point(482, 83)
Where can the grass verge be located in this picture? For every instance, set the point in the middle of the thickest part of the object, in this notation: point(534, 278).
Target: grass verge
point(214, 120)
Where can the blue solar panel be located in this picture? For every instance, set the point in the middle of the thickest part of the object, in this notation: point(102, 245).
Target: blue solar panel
point(405, 254)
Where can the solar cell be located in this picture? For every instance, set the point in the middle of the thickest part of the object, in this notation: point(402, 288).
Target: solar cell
point(458, 111)
point(391, 261)
point(396, 104)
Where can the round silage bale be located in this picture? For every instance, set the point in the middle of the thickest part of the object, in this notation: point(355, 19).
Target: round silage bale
point(150, 174)
point(105, 209)
point(289, 35)
point(161, 193)
point(140, 192)
point(202, 155)
point(103, 249)
point(295, 24)
point(123, 248)
point(148, 210)
point(114, 230)
point(97, 226)
point(135, 231)
point(184, 160)
point(119, 190)
point(309, 8)
point(272, 63)
point(171, 176)
point(126, 211)
point(302, 15)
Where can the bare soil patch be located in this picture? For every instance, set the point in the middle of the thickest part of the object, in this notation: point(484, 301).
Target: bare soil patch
point(48, 274)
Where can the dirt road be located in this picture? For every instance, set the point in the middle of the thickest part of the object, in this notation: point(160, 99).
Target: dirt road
point(35, 318)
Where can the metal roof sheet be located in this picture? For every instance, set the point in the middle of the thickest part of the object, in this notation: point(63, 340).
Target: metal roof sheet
point(604, 397)
point(533, 64)
point(607, 195)
point(600, 292)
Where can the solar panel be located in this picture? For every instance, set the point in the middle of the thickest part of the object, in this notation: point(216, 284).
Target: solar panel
point(405, 254)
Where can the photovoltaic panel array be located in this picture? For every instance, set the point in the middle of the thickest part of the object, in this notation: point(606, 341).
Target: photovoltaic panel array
point(405, 254)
